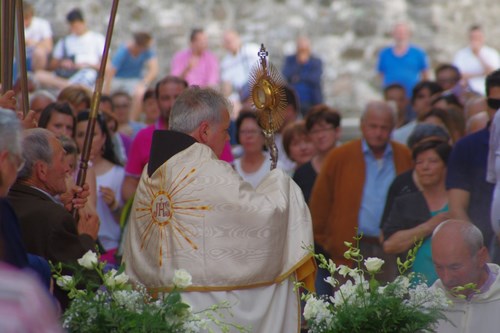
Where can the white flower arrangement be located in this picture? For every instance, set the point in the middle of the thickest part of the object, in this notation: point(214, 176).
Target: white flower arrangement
point(108, 302)
point(360, 304)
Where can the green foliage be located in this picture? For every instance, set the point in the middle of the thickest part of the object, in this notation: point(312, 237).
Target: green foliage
point(107, 302)
point(361, 304)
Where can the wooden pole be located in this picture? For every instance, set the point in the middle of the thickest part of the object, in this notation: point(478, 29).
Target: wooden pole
point(96, 98)
point(7, 44)
point(21, 59)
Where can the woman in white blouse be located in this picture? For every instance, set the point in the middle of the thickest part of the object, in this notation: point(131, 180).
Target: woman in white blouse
point(254, 163)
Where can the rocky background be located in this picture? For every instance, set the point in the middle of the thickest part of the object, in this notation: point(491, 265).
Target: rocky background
point(346, 34)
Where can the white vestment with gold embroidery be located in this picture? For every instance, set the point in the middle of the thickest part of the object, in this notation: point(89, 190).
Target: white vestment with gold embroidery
point(240, 244)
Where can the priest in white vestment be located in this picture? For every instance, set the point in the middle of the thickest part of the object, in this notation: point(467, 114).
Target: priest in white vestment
point(192, 211)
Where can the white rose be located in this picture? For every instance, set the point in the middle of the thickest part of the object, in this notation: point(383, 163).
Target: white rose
point(64, 281)
point(182, 278)
point(373, 265)
point(121, 279)
point(89, 260)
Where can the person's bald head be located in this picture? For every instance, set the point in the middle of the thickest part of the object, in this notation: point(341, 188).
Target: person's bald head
point(477, 122)
point(303, 43)
point(401, 32)
point(459, 254)
point(475, 105)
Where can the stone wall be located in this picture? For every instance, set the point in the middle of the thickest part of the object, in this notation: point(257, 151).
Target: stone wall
point(346, 34)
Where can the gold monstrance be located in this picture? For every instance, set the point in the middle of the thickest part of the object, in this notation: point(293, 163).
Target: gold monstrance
point(268, 97)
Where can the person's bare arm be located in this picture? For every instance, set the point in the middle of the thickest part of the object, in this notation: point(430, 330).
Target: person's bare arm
point(151, 71)
point(129, 186)
point(47, 44)
point(108, 78)
point(54, 64)
point(403, 240)
point(193, 62)
point(425, 75)
point(226, 88)
point(458, 201)
point(487, 69)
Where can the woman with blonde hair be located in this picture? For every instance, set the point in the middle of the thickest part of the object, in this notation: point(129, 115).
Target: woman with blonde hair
point(78, 96)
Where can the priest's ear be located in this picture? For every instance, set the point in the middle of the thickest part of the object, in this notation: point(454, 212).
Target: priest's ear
point(202, 133)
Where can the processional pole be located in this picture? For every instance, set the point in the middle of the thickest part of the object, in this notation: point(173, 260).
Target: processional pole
point(10, 11)
point(94, 107)
point(21, 56)
point(7, 43)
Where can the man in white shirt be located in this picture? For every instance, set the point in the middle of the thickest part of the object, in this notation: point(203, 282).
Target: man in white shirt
point(236, 65)
point(476, 61)
point(38, 39)
point(76, 57)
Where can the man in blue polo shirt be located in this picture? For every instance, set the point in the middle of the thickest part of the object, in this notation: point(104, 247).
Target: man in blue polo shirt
point(402, 62)
point(469, 193)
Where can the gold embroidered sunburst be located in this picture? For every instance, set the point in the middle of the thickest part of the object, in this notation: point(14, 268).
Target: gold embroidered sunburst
point(159, 214)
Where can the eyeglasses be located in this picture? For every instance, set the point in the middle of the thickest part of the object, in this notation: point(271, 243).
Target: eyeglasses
point(18, 161)
point(321, 130)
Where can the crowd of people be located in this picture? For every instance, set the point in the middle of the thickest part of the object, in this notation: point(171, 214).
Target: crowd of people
point(424, 168)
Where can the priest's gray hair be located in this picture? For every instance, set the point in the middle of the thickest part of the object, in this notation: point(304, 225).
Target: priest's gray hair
point(36, 147)
point(196, 105)
point(10, 132)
